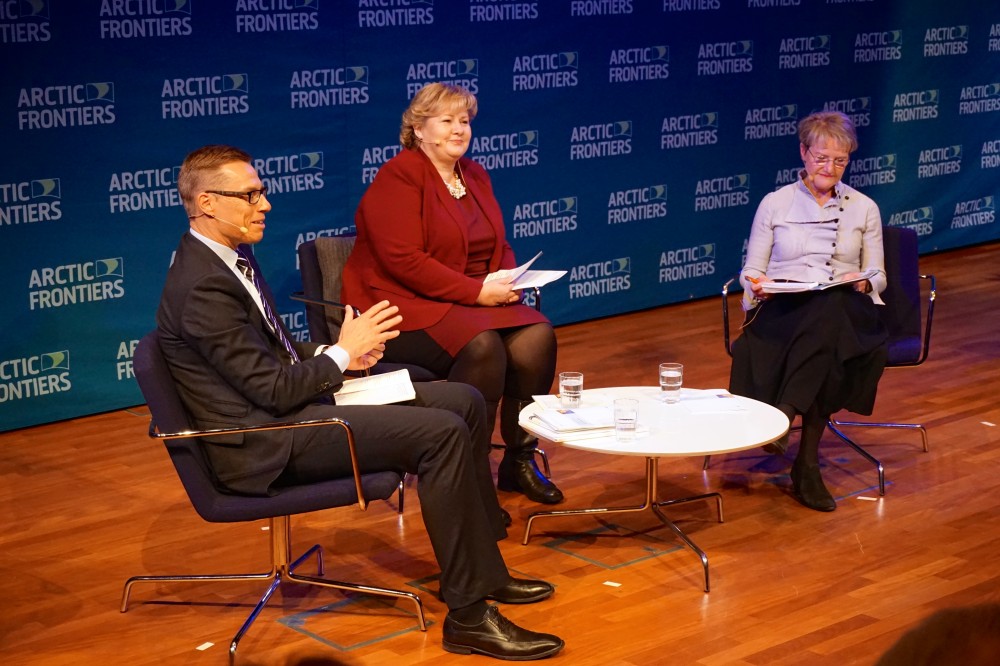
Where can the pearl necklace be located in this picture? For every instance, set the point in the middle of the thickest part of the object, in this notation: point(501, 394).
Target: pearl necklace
point(456, 188)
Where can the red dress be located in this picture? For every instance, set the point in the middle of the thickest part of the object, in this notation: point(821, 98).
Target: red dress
point(463, 322)
point(427, 252)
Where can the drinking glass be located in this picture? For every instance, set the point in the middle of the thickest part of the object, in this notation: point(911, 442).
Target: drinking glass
point(671, 379)
point(570, 388)
point(626, 415)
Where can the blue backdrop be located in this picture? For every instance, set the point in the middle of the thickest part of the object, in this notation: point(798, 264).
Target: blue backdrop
point(630, 140)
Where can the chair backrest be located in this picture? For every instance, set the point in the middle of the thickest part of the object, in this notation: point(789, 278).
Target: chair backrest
point(902, 311)
point(321, 264)
point(189, 460)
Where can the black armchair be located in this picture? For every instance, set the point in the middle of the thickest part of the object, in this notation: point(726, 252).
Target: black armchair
point(170, 422)
point(907, 320)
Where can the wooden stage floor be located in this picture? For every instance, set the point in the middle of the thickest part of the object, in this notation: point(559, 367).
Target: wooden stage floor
point(89, 502)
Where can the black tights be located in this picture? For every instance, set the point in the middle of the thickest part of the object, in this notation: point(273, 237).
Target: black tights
point(813, 425)
point(515, 362)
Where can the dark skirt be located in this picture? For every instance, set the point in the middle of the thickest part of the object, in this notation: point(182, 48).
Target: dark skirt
point(824, 348)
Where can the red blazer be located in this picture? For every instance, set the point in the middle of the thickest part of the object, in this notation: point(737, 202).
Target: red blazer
point(411, 249)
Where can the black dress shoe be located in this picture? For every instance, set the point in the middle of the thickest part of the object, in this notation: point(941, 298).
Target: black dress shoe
point(505, 517)
point(522, 475)
point(810, 489)
point(522, 591)
point(498, 637)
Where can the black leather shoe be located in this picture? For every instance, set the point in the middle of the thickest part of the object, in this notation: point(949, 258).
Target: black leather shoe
point(498, 637)
point(522, 475)
point(522, 591)
point(505, 517)
point(810, 489)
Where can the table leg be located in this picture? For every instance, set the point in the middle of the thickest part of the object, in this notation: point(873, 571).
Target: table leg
point(649, 502)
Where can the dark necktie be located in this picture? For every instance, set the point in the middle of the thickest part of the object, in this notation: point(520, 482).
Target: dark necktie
point(244, 265)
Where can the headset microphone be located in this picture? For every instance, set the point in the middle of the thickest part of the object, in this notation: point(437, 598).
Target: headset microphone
point(436, 143)
point(242, 228)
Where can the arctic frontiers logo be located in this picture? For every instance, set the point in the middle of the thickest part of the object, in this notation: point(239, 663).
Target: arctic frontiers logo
point(920, 220)
point(30, 201)
point(974, 213)
point(601, 140)
point(202, 96)
point(34, 376)
point(601, 277)
point(74, 105)
point(498, 151)
point(939, 161)
point(283, 16)
point(463, 72)
point(74, 284)
point(545, 71)
point(688, 262)
point(550, 216)
point(336, 86)
point(150, 18)
point(22, 22)
point(394, 13)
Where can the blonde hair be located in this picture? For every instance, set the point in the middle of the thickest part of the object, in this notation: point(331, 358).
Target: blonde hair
point(200, 171)
point(431, 100)
point(831, 125)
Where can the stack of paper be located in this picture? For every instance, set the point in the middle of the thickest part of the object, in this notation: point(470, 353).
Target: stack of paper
point(575, 420)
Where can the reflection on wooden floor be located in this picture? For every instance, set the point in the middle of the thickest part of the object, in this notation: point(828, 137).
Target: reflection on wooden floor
point(89, 502)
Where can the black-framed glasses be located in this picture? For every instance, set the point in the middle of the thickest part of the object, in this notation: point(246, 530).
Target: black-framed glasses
point(823, 160)
point(251, 197)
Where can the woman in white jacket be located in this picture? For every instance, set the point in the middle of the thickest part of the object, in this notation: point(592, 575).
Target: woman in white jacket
point(813, 352)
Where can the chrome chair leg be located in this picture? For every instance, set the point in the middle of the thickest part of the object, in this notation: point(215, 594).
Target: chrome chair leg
point(880, 469)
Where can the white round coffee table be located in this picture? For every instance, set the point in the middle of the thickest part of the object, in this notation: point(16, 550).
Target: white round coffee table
point(705, 422)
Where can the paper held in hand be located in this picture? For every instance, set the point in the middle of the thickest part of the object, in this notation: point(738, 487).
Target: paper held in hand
point(383, 389)
point(522, 278)
point(796, 287)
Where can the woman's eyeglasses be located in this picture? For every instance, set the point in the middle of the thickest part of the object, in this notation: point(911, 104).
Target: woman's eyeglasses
point(823, 160)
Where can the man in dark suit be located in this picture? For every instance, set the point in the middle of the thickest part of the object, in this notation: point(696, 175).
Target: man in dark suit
point(234, 364)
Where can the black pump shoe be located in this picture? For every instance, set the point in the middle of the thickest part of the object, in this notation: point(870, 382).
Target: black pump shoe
point(522, 475)
point(809, 488)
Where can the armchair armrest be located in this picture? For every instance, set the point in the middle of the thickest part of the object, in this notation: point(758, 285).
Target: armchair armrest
point(351, 446)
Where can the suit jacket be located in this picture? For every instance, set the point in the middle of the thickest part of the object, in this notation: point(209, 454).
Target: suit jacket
point(412, 248)
point(231, 370)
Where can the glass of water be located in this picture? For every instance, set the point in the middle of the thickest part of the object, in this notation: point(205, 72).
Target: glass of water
point(671, 379)
point(626, 416)
point(570, 388)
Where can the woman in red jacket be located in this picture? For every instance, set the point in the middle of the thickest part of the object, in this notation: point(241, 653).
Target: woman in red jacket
point(429, 231)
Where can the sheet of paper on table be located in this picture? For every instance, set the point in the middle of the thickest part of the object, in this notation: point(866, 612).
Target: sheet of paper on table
point(711, 401)
point(562, 419)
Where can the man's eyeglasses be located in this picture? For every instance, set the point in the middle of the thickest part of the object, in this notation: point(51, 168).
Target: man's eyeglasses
point(251, 197)
point(823, 160)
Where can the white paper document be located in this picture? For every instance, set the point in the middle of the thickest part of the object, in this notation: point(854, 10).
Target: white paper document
point(382, 389)
point(796, 287)
point(711, 401)
point(522, 278)
point(576, 419)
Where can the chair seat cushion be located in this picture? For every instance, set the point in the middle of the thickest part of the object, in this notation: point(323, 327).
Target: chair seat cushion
point(223, 508)
point(904, 351)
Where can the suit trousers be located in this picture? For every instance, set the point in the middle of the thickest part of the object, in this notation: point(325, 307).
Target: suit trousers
point(441, 437)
